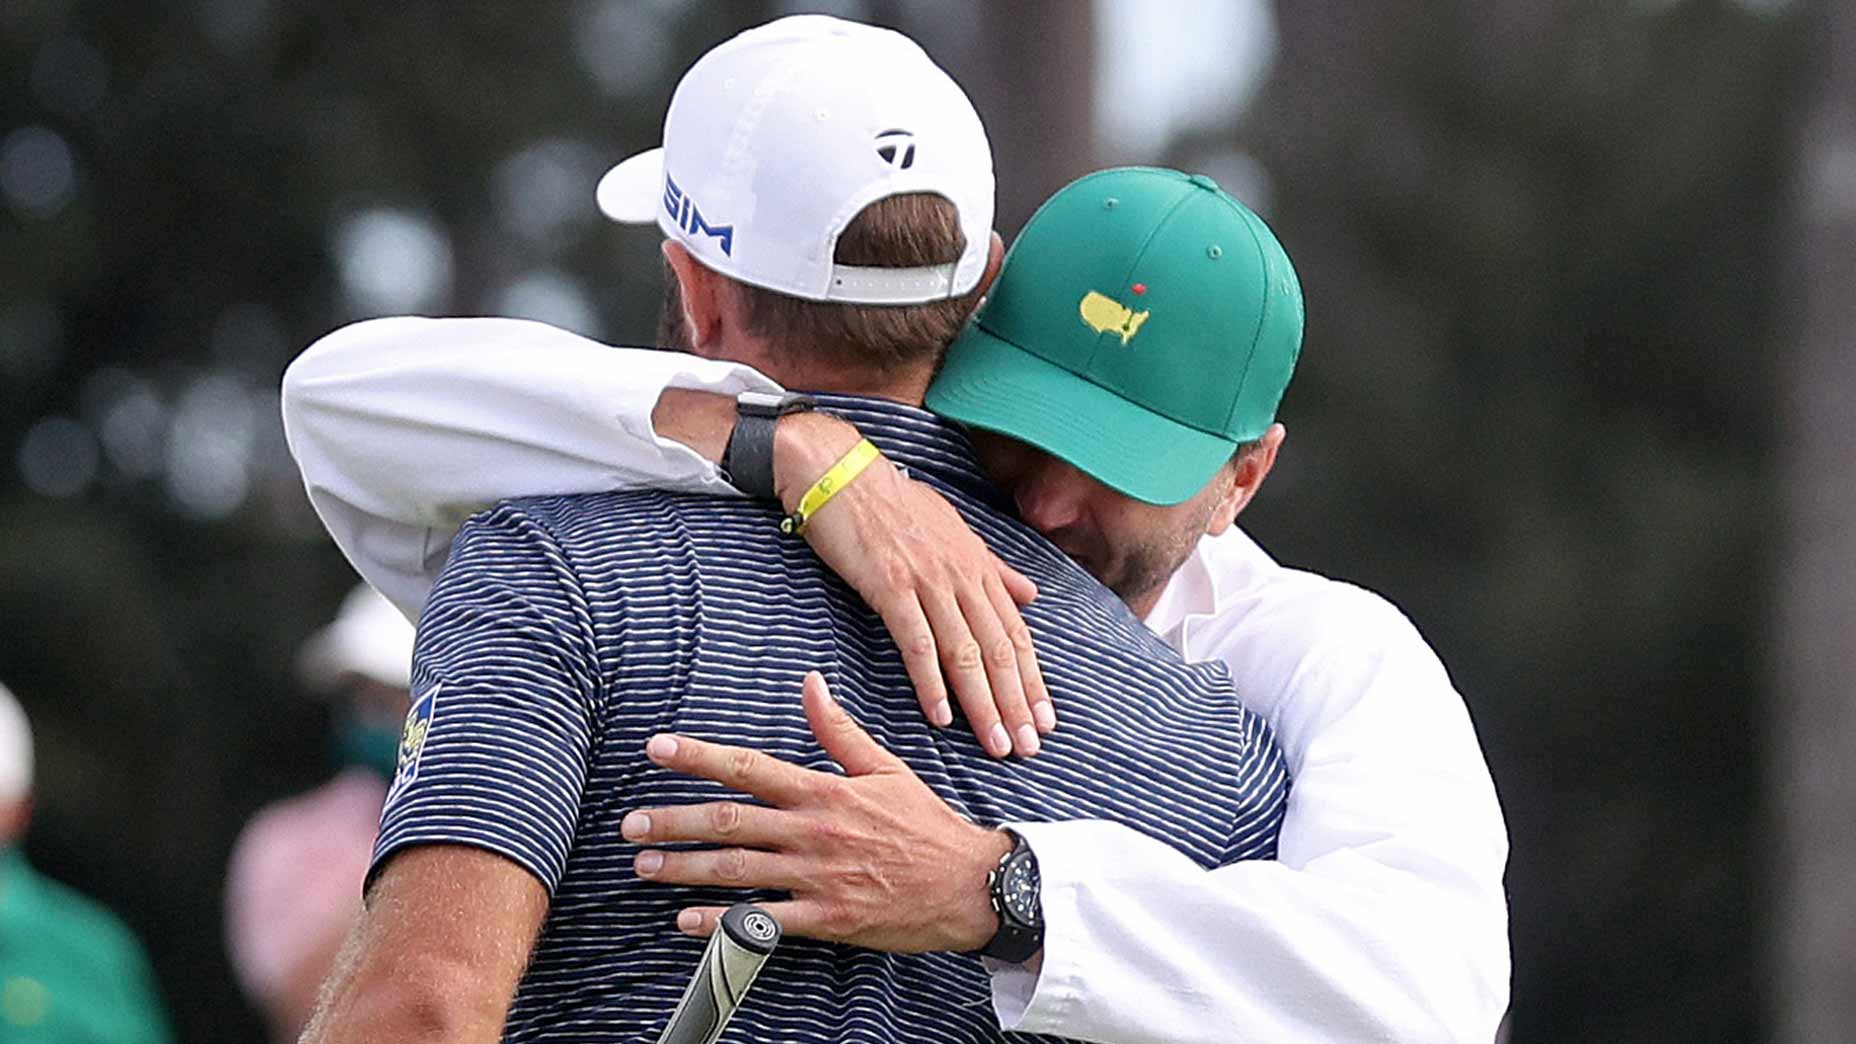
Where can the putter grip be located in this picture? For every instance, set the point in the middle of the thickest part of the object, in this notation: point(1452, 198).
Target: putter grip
point(740, 945)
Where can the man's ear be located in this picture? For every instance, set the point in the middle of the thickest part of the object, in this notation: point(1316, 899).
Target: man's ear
point(1247, 476)
point(700, 293)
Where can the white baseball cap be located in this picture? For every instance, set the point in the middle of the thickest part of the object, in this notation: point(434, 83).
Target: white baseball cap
point(368, 638)
point(778, 138)
point(15, 748)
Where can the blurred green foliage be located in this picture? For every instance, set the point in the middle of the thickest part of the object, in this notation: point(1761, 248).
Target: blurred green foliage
point(1539, 244)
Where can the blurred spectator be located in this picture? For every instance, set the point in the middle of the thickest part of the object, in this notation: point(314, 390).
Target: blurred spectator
point(294, 884)
point(69, 971)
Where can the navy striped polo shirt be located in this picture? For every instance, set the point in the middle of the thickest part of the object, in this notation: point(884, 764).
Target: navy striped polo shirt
point(566, 631)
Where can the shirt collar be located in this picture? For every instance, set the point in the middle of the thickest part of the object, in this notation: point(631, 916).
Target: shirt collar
point(1191, 590)
point(1219, 569)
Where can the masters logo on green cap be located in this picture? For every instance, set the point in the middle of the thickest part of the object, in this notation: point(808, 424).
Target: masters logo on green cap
point(1145, 324)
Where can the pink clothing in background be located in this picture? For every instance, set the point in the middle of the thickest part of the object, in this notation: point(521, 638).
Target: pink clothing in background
point(295, 878)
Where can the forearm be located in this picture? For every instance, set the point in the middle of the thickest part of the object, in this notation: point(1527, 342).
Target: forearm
point(410, 999)
point(404, 427)
point(426, 420)
point(411, 1009)
point(1143, 945)
point(697, 419)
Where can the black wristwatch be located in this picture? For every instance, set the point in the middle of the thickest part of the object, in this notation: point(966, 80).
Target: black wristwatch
point(747, 461)
point(1018, 898)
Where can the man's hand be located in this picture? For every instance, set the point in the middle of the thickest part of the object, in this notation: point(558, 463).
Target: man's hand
point(950, 604)
point(873, 858)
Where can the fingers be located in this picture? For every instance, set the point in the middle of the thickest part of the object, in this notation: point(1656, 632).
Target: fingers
point(1000, 656)
point(1031, 677)
point(718, 822)
point(845, 740)
point(906, 623)
point(720, 867)
point(1021, 591)
point(737, 768)
point(965, 664)
point(801, 918)
point(700, 921)
point(1017, 584)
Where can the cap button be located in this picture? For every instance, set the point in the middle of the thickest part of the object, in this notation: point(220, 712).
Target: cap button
point(1204, 181)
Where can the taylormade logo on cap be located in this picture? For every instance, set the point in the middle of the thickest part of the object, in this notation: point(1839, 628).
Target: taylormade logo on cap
point(778, 138)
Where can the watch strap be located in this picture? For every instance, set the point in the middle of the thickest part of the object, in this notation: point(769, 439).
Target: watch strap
point(1017, 939)
point(1014, 943)
point(747, 460)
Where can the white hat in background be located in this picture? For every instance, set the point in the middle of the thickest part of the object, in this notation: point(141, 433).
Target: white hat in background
point(369, 639)
point(15, 748)
point(776, 139)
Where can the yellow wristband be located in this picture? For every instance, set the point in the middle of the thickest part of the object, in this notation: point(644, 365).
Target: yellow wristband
point(835, 478)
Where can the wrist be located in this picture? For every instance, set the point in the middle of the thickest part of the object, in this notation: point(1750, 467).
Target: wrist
point(805, 446)
point(974, 922)
point(697, 419)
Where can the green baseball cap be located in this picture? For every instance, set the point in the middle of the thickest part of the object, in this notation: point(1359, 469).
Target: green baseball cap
point(1144, 325)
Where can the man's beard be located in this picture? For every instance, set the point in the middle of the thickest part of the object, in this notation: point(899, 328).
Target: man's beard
point(1136, 570)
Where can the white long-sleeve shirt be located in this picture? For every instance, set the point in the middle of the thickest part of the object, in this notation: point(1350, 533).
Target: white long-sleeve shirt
point(1383, 917)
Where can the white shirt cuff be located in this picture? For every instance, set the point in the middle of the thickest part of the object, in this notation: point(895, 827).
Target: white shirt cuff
point(1042, 995)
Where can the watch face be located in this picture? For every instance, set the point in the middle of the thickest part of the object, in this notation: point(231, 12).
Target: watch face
point(1018, 889)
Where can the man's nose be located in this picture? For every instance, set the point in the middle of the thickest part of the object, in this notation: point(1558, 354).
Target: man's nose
point(1050, 498)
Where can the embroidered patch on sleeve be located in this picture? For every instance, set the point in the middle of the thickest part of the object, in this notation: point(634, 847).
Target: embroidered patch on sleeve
point(412, 738)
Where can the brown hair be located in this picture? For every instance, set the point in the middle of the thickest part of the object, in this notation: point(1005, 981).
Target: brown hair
point(905, 231)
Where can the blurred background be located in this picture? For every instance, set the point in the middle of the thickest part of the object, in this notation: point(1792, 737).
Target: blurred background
point(1578, 393)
